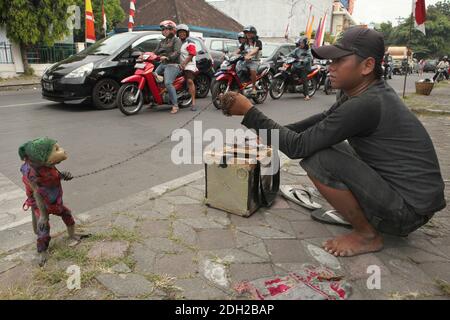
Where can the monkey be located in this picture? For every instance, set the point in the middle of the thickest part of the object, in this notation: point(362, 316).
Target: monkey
point(44, 191)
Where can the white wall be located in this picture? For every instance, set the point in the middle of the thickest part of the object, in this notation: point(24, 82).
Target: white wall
point(270, 17)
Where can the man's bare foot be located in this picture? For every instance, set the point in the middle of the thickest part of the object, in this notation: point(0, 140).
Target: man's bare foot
point(174, 110)
point(307, 98)
point(354, 244)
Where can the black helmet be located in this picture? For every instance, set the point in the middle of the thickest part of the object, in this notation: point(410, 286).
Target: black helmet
point(183, 27)
point(301, 40)
point(241, 35)
point(250, 29)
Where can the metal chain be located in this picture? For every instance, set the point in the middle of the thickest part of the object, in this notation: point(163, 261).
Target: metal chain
point(146, 150)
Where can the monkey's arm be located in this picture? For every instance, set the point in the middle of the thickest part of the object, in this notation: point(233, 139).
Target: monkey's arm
point(66, 175)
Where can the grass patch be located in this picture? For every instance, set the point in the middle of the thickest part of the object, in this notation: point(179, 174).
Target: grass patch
point(63, 252)
point(444, 286)
point(50, 277)
point(16, 293)
point(116, 234)
point(163, 282)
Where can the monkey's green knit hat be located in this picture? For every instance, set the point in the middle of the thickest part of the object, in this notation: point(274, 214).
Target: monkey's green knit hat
point(37, 150)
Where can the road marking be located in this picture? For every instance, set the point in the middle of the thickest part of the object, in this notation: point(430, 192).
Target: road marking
point(25, 104)
point(11, 200)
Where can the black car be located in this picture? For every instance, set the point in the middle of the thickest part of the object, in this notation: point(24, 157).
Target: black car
point(273, 51)
point(95, 73)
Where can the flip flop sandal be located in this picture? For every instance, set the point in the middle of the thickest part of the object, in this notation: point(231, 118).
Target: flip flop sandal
point(174, 110)
point(329, 217)
point(299, 196)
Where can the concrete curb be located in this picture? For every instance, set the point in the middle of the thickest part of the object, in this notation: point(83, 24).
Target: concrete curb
point(430, 111)
point(18, 87)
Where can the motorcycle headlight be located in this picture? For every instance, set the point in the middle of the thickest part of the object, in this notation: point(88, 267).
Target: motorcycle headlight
point(81, 72)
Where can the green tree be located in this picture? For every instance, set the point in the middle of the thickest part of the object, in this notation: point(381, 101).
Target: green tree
point(31, 22)
point(114, 16)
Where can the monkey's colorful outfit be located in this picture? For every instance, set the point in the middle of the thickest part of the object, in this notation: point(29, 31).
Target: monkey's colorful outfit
point(48, 180)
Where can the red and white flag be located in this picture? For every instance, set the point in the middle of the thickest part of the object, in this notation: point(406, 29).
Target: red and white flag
point(420, 15)
point(132, 12)
point(104, 25)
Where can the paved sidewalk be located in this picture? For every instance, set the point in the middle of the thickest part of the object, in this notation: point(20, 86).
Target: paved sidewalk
point(437, 103)
point(19, 83)
point(169, 245)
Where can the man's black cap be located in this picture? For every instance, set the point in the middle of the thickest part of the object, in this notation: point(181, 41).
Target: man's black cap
point(357, 40)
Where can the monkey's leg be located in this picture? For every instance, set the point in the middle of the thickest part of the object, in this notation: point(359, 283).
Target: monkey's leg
point(34, 221)
point(43, 240)
point(70, 223)
point(43, 231)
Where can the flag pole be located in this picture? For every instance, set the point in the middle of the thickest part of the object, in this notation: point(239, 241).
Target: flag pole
point(407, 53)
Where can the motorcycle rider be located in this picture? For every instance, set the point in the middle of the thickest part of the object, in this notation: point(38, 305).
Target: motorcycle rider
point(303, 65)
point(241, 38)
point(252, 48)
point(443, 64)
point(169, 50)
point(188, 61)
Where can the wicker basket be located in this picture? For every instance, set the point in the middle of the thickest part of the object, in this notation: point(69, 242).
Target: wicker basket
point(424, 88)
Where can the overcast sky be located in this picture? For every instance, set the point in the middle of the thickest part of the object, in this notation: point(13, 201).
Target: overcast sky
point(367, 11)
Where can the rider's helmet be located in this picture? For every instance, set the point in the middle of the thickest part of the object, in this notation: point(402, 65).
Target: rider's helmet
point(241, 35)
point(250, 29)
point(183, 27)
point(302, 40)
point(445, 58)
point(168, 24)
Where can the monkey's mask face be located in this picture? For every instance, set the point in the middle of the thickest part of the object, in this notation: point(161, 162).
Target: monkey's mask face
point(57, 155)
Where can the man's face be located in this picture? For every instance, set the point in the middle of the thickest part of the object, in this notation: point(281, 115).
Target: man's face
point(249, 35)
point(347, 72)
point(58, 155)
point(166, 32)
point(182, 35)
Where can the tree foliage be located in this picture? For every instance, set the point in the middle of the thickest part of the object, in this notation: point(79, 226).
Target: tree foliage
point(434, 44)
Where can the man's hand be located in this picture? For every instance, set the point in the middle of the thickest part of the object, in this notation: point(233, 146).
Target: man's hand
point(66, 176)
point(248, 57)
point(182, 66)
point(235, 104)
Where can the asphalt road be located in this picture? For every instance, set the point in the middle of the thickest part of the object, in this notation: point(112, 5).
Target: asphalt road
point(95, 139)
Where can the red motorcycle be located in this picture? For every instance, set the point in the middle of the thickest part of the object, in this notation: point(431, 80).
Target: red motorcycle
point(229, 79)
point(287, 79)
point(144, 88)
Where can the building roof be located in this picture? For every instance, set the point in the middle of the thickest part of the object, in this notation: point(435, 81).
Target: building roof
point(192, 12)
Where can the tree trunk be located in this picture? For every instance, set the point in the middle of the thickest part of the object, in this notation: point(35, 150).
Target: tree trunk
point(23, 51)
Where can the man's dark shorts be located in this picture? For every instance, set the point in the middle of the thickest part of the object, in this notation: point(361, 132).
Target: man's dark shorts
point(340, 168)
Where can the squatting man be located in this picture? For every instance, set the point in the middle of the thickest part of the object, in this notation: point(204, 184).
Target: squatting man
point(369, 156)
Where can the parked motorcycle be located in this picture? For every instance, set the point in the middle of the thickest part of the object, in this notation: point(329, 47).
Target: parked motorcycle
point(286, 78)
point(143, 87)
point(229, 79)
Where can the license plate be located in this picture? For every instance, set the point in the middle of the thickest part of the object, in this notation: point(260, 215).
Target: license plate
point(139, 66)
point(48, 86)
